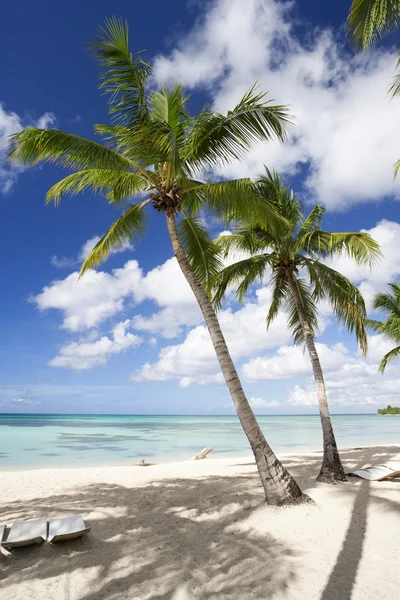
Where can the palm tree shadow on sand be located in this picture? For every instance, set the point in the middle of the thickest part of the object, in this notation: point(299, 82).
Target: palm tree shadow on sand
point(343, 576)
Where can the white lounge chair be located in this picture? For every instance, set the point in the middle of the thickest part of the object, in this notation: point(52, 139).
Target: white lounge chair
point(25, 533)
point(378, 472)
point(67, 528)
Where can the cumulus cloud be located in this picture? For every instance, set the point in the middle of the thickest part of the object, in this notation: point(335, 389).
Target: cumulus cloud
point(332, 93)
point(20, 401)
point(261, 403)
point(293, 361)
point(194, 360)
point(10, 123)
point(87, 302)
point(81, 356)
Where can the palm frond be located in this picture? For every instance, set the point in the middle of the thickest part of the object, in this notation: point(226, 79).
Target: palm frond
point(394, 89)
point(244, 272)
point(309, 309)
point(280, 291)
point(234, 200)
point(375, 326)
point(124, 75)
point(32, 146)
point(389, 302)
point(239, 242)
point(275, 191)
point(345, 298)
point(115, 185)
point(202, 252)
point(391, 355)
point(129, 226)
point(359, 246)
point(217, 139)
point(370, 20)
point(312, 221)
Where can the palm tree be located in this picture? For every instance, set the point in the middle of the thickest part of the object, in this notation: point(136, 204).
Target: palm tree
point(292, 260)
point(155, 150)
point(390, 305)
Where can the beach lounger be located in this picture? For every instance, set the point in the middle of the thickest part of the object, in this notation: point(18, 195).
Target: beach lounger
point(378, 472)
point(67, 528)
point(25, 533)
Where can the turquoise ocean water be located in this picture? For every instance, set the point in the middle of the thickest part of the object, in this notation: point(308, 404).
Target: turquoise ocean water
point(40, 441)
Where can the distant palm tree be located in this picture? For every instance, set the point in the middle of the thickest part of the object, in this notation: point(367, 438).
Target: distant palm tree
point(155, 149)
point(292, 259)
point(390, 305)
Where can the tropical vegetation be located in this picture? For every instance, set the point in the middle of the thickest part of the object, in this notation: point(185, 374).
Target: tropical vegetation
point(292, 256)
point(389, 304)
point(155, 150)
point(389, 410)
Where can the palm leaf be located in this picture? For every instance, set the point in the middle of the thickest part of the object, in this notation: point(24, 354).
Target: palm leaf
point(244, 272)
point(370, 20)
point(280, 291)
point(233, 200)
point(312, 221)
point(394, 89)
point(391, 355)
point(217, 139)
point(128, 227)
point(309, 309)
point(115, 185)
point(345, 298)
point(124, 75)
point(32, 146)
point(202, 252)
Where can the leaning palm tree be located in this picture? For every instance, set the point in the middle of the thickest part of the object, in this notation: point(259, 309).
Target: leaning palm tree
point(155, 150)
point(389, 303)
point(292, 261)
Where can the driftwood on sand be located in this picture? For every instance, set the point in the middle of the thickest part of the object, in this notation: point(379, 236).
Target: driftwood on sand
point(203, 454)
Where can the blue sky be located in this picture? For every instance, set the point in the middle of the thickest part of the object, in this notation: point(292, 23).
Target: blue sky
point(131, 340)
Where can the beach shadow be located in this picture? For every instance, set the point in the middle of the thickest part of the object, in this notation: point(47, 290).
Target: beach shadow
point(155, 541)
point(343, 576)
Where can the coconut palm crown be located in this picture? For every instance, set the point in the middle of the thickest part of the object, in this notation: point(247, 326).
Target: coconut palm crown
point(389, 303)
point(292, 258)
point(155, 150)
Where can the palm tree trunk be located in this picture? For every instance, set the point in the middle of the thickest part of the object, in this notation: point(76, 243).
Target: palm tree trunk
point(332, 469)
point(279, 486)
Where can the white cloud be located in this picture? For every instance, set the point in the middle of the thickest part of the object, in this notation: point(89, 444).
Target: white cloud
point(261, 403)
point(11, 123)
point(65, 262)
point(300, 397)
point(293, 361)
point(24, 401)
point(85, 355)
point(194, 360)
point(344, 119)
point(86, 302)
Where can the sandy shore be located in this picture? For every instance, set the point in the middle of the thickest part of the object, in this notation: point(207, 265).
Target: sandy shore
point(200, 530)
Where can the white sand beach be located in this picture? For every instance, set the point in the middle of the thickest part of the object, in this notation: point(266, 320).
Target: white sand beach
point(200, 530)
